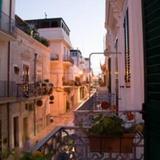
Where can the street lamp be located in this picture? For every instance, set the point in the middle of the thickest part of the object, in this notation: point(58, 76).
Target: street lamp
point(108, 54)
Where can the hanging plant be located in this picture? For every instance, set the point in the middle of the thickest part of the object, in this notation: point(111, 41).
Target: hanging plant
point(104, 105)
point(46, 80)
point(44, 84)
point(39, 102)
point(51, 97)
point(50, 91)
point(130, 116)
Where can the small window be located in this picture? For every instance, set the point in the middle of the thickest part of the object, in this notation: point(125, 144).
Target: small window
point(44, 24)
point(16, 69)
point(25, 73)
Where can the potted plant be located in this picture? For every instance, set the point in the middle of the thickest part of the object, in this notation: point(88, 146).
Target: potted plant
point(107, 134)
point(39, 102)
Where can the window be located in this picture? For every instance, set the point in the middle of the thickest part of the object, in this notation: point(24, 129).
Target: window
point(44, 24)
point(54, 24)
point(0, 5)
point(25, 73)
point(127, 51)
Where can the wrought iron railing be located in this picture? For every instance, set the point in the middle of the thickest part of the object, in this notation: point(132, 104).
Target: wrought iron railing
point(98, 100)
point(71, 143)
point(68, 83)
point(67, 58)
point(7, 24)
point(85, 117)
point(34, 89)
point(25, 90)
point(55, 57)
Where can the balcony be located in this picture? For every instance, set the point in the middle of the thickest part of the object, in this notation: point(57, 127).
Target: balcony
point(72, 142)
point(28, 90)
point(12, 91)
point(54, 57)
point(67, 83)
point(7, 27)
point(67, 61)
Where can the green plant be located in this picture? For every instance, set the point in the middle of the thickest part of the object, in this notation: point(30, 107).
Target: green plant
point(109, 134)
point(108, 126)
point(33, 156)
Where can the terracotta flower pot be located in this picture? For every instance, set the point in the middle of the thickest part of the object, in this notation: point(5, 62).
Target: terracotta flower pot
point(123, 144)
point(39, 102)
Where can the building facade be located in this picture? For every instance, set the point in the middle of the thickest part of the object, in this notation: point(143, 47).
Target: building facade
point(63, 68)
point(26, 90)
point(124, 48)
point(80, 74)
point(7, 34)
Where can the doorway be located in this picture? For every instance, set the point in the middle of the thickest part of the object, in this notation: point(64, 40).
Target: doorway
point(25, 129)
point(16, 131)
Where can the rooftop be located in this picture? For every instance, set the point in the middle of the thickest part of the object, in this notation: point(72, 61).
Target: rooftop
point(49, 23)
point(75, 52)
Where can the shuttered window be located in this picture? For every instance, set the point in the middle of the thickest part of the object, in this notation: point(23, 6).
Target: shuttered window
point(127, 51)
point(0, 5)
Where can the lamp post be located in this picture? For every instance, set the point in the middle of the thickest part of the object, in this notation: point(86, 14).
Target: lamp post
point(105, 53)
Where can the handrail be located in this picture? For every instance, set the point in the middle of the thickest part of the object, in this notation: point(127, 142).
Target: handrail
point(73, 142)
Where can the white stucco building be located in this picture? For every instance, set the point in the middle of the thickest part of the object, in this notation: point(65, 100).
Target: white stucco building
point(58, 34)
point(124, 48)
point(7, 34)
point(24, 98)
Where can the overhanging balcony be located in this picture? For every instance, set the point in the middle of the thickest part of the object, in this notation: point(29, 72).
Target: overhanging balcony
point(55, 58)
point(67, 61)
point(9, 92)
point(68, 83)
point(28, 90)
point(7, 27)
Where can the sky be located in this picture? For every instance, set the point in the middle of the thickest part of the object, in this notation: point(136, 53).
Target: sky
point(85, 19)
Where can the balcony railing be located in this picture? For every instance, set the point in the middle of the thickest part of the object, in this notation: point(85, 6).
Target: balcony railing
point(68, 83)
point(97, 100)
point(7, 24)
point(27, 90)
point(70, 143)
point(68, 59)
point(55, 57)
point(73, 143)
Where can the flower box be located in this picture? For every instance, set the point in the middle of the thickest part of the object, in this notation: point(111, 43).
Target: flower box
point(122, 144)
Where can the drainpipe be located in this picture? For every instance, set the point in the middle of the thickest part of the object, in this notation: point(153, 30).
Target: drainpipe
point(10, 15)
point(35, 77)
point(8, 76)
point(8, 94)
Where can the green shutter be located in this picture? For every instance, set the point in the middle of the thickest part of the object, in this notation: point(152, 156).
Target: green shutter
point(0, 5)
point(152, 58)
